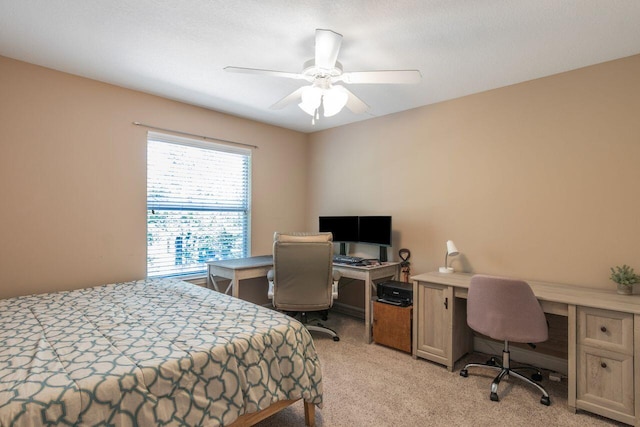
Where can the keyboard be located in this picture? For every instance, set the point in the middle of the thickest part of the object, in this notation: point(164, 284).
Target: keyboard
point(344, 259)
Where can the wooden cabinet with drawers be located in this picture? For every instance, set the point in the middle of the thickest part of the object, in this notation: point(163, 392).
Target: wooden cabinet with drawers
point(603, 338)
point(604, 365)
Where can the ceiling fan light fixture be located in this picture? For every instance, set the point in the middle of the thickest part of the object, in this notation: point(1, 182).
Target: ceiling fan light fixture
point(307, 109)
point(323, 97)
point(311, 99)
point(333, 101)
point(312, 96)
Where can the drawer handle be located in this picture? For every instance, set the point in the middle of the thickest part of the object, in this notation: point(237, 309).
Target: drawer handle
point(602, 364)
point(603, 328)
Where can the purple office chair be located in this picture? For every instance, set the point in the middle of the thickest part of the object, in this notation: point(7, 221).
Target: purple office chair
point(506, 310)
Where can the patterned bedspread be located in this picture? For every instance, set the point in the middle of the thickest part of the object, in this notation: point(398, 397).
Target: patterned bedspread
point(150, 352)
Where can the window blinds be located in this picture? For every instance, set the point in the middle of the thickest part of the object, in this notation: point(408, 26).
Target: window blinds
point(197, 204)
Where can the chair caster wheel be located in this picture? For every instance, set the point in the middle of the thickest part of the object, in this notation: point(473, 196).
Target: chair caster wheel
point(494, 397)
point(545, 400)
point(491, 362)
point(537, 377)
point(324, 317)
point(336, 338)
point(464, 373)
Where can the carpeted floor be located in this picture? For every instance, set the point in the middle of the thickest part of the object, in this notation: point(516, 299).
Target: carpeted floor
point(371, 385)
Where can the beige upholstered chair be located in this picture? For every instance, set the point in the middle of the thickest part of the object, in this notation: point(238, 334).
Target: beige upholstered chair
point(506, 310)
point(302, 279)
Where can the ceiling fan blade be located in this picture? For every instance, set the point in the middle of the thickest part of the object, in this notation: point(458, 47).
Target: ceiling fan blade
point(327, 47)
point(289, 99)
point(381, 77)
point(354, 103)
point(266, 72)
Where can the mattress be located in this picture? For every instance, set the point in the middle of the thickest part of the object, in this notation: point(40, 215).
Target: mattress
point(149, 352)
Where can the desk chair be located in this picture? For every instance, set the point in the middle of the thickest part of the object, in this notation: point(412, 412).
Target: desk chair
point(506, 310)
point(302, 279)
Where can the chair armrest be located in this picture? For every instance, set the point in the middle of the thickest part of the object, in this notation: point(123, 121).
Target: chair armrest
point(336, 279)
point(270, 277)
point(336, 275)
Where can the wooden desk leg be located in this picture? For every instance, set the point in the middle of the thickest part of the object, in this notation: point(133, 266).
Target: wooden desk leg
point(367, 309)
point(211, 284)
point(572, 355)
point(234, 286)
point(309, 414)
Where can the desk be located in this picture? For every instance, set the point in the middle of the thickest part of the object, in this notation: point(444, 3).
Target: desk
point(370, 275)
point(603, 337)
point(237, 270)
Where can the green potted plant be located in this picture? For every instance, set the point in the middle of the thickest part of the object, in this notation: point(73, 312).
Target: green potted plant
point(625, 277)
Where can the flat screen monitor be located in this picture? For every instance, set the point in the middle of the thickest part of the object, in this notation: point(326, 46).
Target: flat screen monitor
point(343, 228)
point(375, 230)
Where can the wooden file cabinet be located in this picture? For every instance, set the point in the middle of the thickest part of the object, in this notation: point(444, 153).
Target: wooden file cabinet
point(605, 363)
point(392, 326)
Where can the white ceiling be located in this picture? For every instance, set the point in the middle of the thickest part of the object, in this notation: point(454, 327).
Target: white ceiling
point(178, 49)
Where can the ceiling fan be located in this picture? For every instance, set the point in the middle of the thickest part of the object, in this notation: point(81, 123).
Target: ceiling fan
point(325, 95)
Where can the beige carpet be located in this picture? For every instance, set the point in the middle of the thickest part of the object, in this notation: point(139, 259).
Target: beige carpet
point(371, 385)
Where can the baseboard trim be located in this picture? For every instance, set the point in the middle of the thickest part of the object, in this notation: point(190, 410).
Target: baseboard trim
point(349, 310)
point(539, 360)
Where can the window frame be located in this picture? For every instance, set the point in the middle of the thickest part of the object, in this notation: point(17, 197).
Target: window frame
point(207, 145)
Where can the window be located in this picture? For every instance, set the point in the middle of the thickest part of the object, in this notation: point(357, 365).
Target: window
point(197, 204)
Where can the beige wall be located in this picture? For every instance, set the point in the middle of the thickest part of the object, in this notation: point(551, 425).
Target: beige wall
point(73, 177)
point(539, 180)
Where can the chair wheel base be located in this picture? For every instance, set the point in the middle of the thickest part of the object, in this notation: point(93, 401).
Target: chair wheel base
point(545, 400)
point(336, 338)
point(464, 373)
point(494, 397)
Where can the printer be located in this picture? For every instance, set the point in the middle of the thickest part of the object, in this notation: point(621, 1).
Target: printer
point(395, 293)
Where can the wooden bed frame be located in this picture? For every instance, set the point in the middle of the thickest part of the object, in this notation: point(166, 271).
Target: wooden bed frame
point(248, 420)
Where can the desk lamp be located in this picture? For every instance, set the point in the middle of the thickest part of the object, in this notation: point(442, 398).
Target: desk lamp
point(451, 251)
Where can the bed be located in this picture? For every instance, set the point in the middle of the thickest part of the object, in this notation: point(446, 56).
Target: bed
point(150, 352)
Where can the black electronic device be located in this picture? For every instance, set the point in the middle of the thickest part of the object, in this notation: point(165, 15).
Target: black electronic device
point(396, 293)
point(372, 230)
point(343, 228)
point(349, 260)
point(376, 230)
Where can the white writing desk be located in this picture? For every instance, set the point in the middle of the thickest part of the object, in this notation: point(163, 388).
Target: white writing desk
point(603, 337)
point(237, 270)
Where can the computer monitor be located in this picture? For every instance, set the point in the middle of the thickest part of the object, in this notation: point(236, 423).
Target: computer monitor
point(343, 228)
point(376, 230)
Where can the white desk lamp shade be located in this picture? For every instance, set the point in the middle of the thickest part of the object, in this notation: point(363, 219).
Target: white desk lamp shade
point(451, 248)
point(451, 251)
